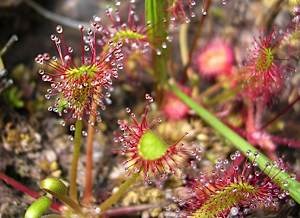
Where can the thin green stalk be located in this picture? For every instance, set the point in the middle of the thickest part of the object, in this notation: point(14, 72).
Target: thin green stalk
point(114, 198)
point(157, 16)
point(74, 165)
point(284, 180)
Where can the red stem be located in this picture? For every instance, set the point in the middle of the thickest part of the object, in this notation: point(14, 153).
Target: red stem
point(286, 109)
point(22, 188)
point(195, 40)
point(292, 143)
point(250, 122)
point(88, 191)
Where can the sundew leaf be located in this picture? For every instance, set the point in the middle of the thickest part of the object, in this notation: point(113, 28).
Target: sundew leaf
point(282, 179)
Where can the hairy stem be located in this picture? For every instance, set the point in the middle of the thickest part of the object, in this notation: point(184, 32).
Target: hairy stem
point(284, 180)
point(114, 198)
point(74, 164)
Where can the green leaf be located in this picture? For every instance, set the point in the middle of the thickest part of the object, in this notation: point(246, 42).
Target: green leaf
point(58, 189)
point(151, 147)
point(13, 97)
point(38, 207)
point(284, 180)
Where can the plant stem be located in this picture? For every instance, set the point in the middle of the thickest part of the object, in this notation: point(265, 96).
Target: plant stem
point(197, 36)
point(183, 43)
point(22, 188)
point(74, 164)
point(156, 14)
point(286, 109)
point(88, 191)
point(291, 143)
point(9, 43)
point(18, 186)
point(268, 19)
point(223, 96)
point(71, 203)
point(211, 90)
point(283, 179)
point(114, 198)
point(66, 21)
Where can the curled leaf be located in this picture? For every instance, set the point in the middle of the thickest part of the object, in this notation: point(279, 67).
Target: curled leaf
point(54, 186)
point(38, 207)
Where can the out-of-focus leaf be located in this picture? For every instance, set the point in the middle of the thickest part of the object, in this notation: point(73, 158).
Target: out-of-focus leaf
point(13, 97)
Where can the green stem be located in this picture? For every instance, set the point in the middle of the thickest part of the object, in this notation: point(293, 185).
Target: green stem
point(284, 180)
point(57, 189)
point(74, 164)
point(156, 16)
point(114, 198)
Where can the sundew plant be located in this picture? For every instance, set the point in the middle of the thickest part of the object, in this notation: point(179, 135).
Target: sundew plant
point(151, 108)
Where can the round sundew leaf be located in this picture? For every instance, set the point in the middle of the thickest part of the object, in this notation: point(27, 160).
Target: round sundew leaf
point(151, 147)
point(38, 207)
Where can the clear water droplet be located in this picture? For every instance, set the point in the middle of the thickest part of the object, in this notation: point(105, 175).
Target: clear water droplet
point(63, 123)
point(72, 128)
point(149, 98)
point(59, 29)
